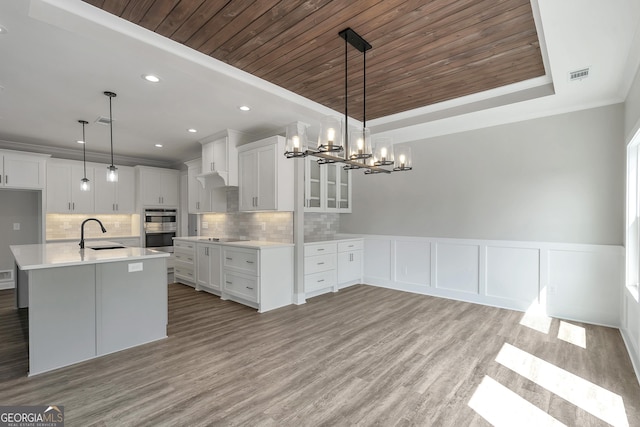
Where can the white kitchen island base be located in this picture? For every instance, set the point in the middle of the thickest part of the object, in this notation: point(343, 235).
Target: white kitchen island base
point(78, 312)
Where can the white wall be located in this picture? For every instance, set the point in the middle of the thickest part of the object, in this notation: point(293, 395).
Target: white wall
point(554, 179)
point(632, 109)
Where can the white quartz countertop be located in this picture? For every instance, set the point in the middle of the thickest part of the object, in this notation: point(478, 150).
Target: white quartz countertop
point(331, 239)
point(250, 244)
point(48, 255)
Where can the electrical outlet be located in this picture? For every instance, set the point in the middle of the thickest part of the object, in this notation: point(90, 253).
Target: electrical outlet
point(205, 225)
point(16, 226)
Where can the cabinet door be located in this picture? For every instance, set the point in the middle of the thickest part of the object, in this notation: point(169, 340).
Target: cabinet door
point(151, 186)
point(193, 190)
point(313, 188)
point(331, 186)
point(105, 191)
point(208, 163)
point(220, 155)
point(247, 164)
point(266, 184)
point(349, 266)
point(58, 188)
point(215, 267)
point(125, 191)
point(169, 189)
point(22, 172)
point(203, 273)
point(82, 201)
point(344, 194)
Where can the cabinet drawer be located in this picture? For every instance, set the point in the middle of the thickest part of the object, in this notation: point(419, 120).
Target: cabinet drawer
point(242, 286)
point(243, 260)
point(315, 264)
point(351, 245)
point(184, 244)
point(185, 257)
point(185, 273)
point(319, 249)
point(317, 281)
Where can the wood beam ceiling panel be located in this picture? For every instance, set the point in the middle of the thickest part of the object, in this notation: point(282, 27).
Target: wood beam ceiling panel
point(423, 52)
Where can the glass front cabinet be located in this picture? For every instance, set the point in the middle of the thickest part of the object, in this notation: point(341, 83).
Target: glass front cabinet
point(327, 187)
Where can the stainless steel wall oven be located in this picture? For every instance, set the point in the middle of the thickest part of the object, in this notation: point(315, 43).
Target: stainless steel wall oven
point(160, 227)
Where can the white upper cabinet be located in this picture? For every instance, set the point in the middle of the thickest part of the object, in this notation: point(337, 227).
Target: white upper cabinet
point(201, 199)
point(220, 156)
point(327, 187)
point(22, 170)
point(266, 176)
point(157, 187)
point(63, 187)
point(115, 197)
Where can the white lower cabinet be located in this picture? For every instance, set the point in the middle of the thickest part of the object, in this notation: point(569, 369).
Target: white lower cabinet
point(260, 278)
point(350, 270)
point(329, 266)
point(208, 273)
point(184, 253)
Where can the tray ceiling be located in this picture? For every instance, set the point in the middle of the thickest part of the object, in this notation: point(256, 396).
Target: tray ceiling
point(423, 52)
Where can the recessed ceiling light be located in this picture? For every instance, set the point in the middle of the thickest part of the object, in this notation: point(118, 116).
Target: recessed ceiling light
point(151, 78)
point(159, 145)
point(80, 142)
point(192, 130)
point(3, 30)
point(244, 108)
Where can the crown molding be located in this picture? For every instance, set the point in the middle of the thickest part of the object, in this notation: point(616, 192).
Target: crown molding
point(68, 153)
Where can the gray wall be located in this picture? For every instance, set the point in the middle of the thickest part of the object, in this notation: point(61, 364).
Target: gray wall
point(17, 207)
point(556, 179)
point(632, 108)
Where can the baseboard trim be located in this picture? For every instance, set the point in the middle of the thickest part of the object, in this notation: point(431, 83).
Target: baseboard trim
point(635, 358)
point(7, 285)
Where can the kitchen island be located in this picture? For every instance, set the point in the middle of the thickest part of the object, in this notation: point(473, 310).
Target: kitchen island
point(85, 303)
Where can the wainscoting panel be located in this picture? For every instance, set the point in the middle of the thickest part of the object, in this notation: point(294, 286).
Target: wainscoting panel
point(572, 281)
point(458, 267)
point(413, 262)
point(513, 273)
point(631, 328)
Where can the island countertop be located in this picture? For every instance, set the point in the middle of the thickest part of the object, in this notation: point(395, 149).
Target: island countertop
point(48, 255)
point(249, 244)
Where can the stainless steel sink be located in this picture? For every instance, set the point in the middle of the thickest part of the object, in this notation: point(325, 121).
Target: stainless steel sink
point(101, 248)
point(223, 239)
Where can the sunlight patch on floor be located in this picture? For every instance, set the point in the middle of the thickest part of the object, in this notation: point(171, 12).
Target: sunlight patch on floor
point(573, 334)
point(502, 407)
point(536, 318)
point(592, 398)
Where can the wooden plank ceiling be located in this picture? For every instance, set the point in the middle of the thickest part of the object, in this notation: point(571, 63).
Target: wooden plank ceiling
point(424, 51)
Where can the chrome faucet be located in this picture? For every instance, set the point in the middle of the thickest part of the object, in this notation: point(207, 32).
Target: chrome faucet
point(104, 230)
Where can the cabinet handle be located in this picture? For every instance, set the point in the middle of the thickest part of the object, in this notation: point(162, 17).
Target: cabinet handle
point(117, 207)
point(229, 259)
point(321, 263)
point(248, 287)
point(228, 282)
point(190, 259)
point(69, 203)
point(6, 179)
point(350, 246)
point(321, 280)
point(320, 249)
point(74, 205)
point(249, 262)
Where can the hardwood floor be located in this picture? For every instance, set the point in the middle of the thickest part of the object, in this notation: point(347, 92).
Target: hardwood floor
point(364, 356)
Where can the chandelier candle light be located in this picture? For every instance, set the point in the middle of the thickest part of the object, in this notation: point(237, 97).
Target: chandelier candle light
point(112, 171)
point(84, 182)
point(330, 140)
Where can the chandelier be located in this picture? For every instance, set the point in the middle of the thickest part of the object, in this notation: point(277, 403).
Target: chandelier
point(352, 147)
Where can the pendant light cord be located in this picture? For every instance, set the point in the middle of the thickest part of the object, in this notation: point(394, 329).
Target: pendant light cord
point(111, 128)
point(84, 151)
point(346, 103)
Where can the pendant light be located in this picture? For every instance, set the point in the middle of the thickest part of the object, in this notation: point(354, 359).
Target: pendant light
point(112, 171)
point(84, 182)
point(355, 145)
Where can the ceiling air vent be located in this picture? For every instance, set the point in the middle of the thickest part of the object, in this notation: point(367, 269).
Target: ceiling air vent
point(103, 120)
point(578, 74)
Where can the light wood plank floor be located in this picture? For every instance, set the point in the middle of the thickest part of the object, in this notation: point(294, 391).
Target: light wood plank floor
point(364, 356)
